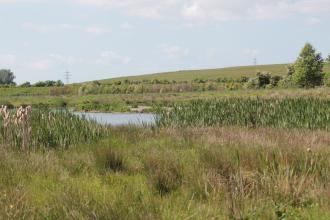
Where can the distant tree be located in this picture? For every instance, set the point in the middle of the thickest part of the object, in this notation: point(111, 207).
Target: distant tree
point(26, 84)
point(40, 84)
point(6, 77)
point(308, 69)
point(59, 83)
point(328, 60)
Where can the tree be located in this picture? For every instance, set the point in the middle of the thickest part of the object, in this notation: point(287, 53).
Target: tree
point(328, 60)
point(308, 69)
point(6, 77)
point(26, 84)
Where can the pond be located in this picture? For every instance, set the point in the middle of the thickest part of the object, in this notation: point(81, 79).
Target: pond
point(117, 119)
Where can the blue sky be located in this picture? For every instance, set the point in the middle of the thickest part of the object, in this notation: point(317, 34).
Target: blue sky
point(97, 39)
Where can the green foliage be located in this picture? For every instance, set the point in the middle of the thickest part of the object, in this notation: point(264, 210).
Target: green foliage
point(6, 77)
point(327, 60)
point(51, 129)
point(286, 113)
point(290, 70)
point(25, 85)
point(263, 80)
point(49, 83)
point(286, 82)
point(308, 69)
point(326, 79)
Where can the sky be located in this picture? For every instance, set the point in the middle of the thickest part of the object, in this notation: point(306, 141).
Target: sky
point(99, 39)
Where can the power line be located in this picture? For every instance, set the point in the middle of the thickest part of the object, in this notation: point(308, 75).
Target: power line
point(67, 77)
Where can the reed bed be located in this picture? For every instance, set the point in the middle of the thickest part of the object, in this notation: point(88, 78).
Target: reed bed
point(28, 128)
point(299, 113)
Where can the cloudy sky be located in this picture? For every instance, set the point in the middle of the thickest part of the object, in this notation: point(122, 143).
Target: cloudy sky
point(97, 39)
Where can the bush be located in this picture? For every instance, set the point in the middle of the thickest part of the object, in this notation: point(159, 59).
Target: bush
point(253, 83)
point(286, 82)
point(263, 79)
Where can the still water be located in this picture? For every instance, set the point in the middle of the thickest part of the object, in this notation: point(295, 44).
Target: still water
point(117, 119)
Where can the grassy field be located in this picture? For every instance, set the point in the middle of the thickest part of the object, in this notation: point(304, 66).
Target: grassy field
point(230, 72)
point(243, 154)
point(223, 172)
point(108, 96)
point(123, 102)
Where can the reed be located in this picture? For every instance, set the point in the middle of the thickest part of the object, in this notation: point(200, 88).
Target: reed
point(27, 129)
point(299, 113)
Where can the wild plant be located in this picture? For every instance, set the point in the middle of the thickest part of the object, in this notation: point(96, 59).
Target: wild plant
point(41, 128)
point(16, 127)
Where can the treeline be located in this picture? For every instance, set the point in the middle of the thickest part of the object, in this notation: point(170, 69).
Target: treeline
point(47, 83)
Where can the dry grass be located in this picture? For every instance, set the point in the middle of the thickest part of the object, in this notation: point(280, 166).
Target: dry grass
point(168, 173)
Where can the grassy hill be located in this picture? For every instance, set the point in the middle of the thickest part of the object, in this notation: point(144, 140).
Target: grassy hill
point(230, 72)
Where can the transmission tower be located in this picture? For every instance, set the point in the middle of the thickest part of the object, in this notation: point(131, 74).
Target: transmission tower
point(255, 61)
point(67, 77)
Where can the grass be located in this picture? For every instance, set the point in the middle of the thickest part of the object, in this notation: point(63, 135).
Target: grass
point(41, 128)
point(121, 98)
point(229, 72)
point(123, 102)
point(281, 113)
point(169, 173)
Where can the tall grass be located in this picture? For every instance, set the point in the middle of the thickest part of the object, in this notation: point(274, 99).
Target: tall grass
point(42, 128)
point(283, 113)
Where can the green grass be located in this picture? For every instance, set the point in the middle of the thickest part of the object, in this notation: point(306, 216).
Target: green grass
point(230, 72)
point(280, 113)
point(165, 94)
point(190, 173)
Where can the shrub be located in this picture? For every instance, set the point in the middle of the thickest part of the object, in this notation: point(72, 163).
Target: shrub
point(263, 79)
point(274, 80)
point(286, 82)
point(253, 83)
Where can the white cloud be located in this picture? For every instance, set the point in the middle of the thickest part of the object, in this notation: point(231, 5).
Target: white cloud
point(7, 60)
point(206, 10)
point(38, 27)
point(52, 61)
point(126, 26)
point(111, 57)
point(46, 28)
point(97, 30)
point(313, 21)
point(250, 52)
point(143, 8)
point(174, 51)
point(216, 10)
point(223, 10)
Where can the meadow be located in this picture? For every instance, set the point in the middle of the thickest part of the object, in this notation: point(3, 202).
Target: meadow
point(55, 165)
point(218, 150)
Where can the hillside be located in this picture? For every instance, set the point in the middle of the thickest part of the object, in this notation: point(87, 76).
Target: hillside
point(229, 72)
